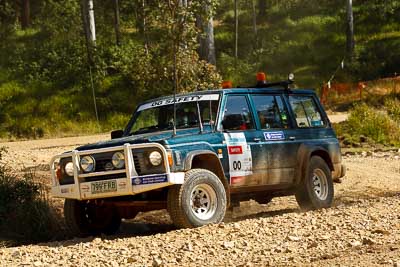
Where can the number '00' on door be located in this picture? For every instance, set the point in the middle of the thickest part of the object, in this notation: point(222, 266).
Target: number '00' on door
point(237, 165)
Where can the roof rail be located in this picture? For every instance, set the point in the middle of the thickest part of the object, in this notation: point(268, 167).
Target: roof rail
point(285, 84)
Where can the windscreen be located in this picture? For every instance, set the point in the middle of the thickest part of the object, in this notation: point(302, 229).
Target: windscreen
point(159, 115)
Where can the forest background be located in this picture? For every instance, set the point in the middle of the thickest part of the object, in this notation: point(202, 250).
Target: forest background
point(48, 62)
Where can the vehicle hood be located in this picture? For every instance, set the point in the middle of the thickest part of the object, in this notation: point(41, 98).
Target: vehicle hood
point(156, 137)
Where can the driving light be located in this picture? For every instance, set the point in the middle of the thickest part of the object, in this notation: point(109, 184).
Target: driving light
point(155, 158)
point(87, 163)
point(69, 169)
point(118, 160)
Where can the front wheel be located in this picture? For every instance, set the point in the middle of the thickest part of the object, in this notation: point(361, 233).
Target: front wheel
point(200, 200)
point(84, 218)
point(316, 189)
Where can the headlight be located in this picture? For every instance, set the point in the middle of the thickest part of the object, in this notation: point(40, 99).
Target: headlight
point(155, 158)
point(118, 160)
point(69, 169)
point(87, 163)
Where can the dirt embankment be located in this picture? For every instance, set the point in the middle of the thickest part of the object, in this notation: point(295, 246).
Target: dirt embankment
point(362, 229)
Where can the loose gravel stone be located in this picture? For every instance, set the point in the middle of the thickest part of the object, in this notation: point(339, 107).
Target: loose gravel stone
point(361, 229)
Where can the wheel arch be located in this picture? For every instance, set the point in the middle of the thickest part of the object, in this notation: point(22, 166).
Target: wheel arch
point(208, 160)
point(303, 158)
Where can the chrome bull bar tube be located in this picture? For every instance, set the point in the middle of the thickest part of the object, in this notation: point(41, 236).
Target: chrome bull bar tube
point(125, 186)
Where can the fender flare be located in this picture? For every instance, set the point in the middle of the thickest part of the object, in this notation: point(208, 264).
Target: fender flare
point(220, 170)
point(192, 154)
point(303, 158)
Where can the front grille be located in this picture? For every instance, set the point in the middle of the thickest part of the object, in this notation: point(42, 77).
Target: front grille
point(142, 163)
point(103, 161)
point(136, 161)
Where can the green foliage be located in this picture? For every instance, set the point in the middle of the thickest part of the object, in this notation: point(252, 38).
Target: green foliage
point(393, 108)
point(379, 126)
point(45, 85)
point(292, 35)
point(25, 213)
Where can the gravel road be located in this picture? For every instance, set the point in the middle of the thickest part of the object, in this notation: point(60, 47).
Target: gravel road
point(362, 229)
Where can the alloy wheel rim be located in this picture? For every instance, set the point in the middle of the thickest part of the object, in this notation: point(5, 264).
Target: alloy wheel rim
point(203, 201)
point(320, 184)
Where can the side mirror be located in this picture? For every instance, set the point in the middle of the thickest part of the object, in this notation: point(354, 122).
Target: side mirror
point(117, 134)
point(233, 122)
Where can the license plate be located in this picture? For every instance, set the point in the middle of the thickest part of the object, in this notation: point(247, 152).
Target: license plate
point(104, 186)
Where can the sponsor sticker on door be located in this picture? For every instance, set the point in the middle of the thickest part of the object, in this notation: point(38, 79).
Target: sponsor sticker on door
point(272, 136)
point(235, 150)
point(239, 153)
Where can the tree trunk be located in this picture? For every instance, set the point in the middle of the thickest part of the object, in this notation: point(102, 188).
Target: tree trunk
point(262, 6)
point(350, 29)
point(85, 24)
point(254, 23)
point(25, 14)
point(116, 23)
point(236, 32)
point(87, 14)
point(92, 26)
point(206, 39)
point(89, 29)
point(144, 27)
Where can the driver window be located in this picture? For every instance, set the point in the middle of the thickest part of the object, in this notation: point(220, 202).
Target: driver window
point(237, 115)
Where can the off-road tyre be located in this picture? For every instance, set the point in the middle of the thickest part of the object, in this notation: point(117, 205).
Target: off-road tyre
point(187, 202)
point(316, 189)
point(84, 218)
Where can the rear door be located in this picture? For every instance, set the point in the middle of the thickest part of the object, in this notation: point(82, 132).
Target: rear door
point(311, 123)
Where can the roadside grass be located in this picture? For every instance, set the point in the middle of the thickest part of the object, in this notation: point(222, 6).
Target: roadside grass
point(38, 128)
point(26, 214)
point(372, 124)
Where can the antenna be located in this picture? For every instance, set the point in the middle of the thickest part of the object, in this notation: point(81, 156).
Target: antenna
point(211, 118)
point(175, 89)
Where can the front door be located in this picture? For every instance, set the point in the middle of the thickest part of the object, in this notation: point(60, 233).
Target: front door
point(274, 135)
point(240, 134)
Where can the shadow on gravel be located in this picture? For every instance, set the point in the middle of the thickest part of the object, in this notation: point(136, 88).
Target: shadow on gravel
point(129, 229)
point(354, 196)
point(263, 214)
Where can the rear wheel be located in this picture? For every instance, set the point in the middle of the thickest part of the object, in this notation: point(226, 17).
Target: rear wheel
point(316, 190)
point(84, 218)
point(200, 200)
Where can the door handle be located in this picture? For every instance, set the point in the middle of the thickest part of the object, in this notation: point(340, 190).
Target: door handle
point(257, 140)
point(292, 138)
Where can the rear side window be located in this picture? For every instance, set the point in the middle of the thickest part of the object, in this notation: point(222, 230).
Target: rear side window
point(237, 115)
point(306, 112)
point(270, 111)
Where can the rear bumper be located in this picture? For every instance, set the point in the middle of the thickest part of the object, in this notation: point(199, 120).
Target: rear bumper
point(339, 171)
